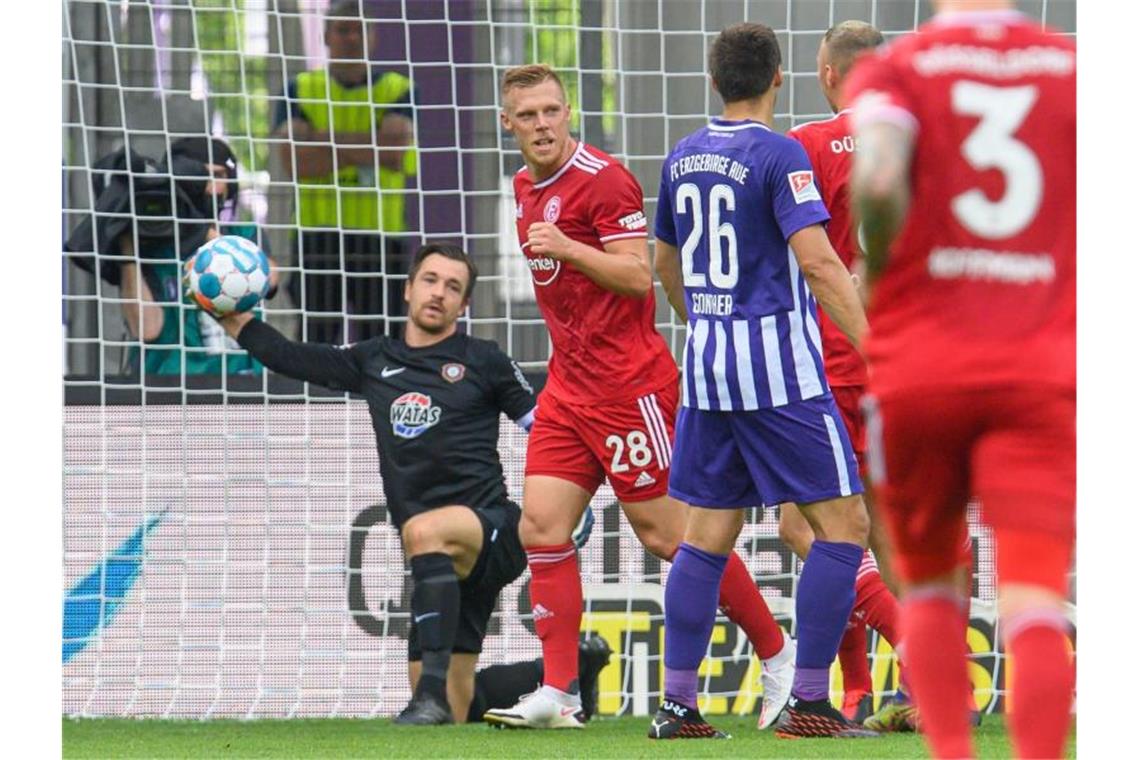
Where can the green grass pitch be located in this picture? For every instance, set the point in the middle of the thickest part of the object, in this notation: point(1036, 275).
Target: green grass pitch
point(329, 738)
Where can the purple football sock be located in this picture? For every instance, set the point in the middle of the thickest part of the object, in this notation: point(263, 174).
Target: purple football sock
point(824, 599)
point(691, 592)
point(681, 686)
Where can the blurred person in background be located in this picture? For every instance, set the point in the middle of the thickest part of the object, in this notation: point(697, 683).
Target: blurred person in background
point(345, 139)
point(148, 225)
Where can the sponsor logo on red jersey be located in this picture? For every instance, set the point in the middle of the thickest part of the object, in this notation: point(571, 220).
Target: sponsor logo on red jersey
point(413, 413)
point(634, 221)
point(543, 269)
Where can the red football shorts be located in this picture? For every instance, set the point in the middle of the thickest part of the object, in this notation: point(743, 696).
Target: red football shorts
point(630, 443)
point(848, 398)
point(1014, 449)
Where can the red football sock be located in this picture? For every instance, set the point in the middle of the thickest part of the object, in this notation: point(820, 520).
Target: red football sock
point(1043, 680)
point(877, 606)
point(743, 604)
point(853, 658)
point(874, 602)
point(937, 672)
point(556, 599)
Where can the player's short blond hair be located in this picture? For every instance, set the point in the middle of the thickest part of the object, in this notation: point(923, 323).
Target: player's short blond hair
point(530, 75)
point(847, 39)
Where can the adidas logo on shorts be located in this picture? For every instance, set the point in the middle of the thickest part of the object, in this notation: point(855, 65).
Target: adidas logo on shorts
point(541, 612)
point(644, 479)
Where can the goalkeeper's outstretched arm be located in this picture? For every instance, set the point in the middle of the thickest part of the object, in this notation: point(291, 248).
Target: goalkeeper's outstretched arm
point(331, 366)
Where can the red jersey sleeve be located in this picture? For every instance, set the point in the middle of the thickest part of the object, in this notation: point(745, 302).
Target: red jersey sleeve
point(876, 92)
point(619, 208)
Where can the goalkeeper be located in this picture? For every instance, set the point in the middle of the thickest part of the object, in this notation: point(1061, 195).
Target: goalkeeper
point(435, 396)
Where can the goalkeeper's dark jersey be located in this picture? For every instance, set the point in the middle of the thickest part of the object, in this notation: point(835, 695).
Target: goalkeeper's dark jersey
point(435, 410)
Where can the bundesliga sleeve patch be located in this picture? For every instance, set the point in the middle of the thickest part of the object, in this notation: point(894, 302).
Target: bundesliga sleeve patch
point(803, 187)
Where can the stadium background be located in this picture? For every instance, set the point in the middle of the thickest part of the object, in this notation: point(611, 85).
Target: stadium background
point(224, 544)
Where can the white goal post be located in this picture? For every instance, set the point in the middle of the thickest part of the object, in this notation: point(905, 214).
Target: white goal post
point(226, 551)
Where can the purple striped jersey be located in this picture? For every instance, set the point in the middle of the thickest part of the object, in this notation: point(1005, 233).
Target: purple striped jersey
point(732, 193)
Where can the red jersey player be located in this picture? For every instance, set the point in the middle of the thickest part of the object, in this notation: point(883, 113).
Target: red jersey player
point(830, 145)
point(608, 406)
point(971, 122)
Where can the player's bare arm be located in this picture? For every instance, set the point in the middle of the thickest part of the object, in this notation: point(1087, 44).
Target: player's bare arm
point(668, 266)
point(880, 190)
point(829, 280)
point(623, 266)
point(143, 316)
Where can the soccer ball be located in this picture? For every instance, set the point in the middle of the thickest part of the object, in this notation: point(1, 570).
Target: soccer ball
point(228, 274)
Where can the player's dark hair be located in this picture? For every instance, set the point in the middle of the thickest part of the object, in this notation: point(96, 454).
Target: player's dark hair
point(743, 61)
point(449, 251)
point(846, 40)
point(343, 10)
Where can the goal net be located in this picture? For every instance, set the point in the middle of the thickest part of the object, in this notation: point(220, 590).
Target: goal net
point(226, 548)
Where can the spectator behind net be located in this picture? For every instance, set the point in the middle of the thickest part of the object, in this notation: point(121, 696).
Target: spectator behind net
point(133, 194)
point(165, 211)
point(346, 138)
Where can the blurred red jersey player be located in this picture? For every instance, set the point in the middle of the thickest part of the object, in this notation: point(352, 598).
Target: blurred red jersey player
point(970, 123)
point(610, 399)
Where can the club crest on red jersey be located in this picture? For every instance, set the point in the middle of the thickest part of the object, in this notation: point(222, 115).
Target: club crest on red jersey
point(553, 209)
point(413, 413)
point(453, 372)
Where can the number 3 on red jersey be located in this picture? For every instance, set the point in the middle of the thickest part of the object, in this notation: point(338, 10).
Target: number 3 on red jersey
point(992, 145)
